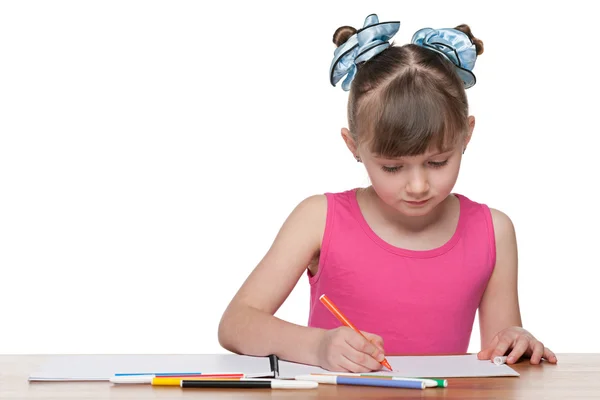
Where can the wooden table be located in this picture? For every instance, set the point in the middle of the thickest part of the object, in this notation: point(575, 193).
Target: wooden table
point(575, 376)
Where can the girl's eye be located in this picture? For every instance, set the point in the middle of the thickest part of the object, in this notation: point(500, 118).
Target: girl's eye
point(391, 169)
point(438, 164)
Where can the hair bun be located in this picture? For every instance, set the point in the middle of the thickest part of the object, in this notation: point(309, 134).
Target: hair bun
point(478, 43)
point(342, 34)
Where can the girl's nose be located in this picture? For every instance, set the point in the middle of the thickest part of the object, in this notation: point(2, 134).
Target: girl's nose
point(418, 184)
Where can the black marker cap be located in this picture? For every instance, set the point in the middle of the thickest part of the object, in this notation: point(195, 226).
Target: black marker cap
point(274, 360)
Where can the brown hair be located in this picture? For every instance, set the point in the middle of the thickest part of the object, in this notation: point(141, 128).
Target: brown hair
point(406, 99)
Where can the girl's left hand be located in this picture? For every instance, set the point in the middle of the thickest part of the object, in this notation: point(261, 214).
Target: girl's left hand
point(521, 342)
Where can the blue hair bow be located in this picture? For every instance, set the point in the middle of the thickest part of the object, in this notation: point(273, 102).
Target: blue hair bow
point(367, 42)
point(454, 45)
point(373, 38)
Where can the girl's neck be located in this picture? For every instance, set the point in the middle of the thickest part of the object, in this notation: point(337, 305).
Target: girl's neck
point(403, 222)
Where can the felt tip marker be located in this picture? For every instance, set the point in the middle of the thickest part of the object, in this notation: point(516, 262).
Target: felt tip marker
point(249, 384)
point(429, 382)
point(342, 318)
point(168, 380)
point(159, 373)
point(361, 381)
point(151, 378)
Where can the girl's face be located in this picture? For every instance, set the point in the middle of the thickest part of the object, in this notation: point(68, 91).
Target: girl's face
point(414, 185)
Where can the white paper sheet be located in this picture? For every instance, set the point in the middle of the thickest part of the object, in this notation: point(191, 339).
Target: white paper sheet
point(102, 367)
point(422, 366)
point(448, 367)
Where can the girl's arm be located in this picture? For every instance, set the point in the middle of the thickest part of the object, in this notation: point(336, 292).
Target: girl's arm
point(499, 307)
point(499, 314)
point(248, 325)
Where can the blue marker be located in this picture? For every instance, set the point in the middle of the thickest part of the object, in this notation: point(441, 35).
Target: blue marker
point(347, 380)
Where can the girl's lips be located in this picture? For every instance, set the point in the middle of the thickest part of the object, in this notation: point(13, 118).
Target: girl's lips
point(417, 203)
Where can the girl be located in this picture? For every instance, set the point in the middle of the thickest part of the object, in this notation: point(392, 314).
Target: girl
point(405, 259)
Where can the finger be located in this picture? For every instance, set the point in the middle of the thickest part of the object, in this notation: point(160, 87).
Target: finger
point(360, 352)
point(349, 365)
point(486, 354)
point(375, 339)
point(363, 361)
point(501, 348)
point(363, 345)
point(335, 361)
point(538, 351)
point(378, 342)
point(550, 356)
point(379, 346)
point(518, 350)
point(342, 366)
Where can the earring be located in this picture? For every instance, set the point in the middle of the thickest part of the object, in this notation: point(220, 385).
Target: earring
point(465, 149)
point(357, 158)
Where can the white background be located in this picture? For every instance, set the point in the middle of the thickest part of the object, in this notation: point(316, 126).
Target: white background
point(149, 152)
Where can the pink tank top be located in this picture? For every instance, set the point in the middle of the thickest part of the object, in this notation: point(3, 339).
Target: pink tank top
point(420, 302)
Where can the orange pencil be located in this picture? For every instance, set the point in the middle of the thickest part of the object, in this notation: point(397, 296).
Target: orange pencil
point(338, 314)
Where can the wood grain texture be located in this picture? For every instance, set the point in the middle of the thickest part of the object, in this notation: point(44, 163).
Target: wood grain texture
point(575, 376)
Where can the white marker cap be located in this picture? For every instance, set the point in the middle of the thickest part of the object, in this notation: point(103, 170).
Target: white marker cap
point(132, 379)
point(499, 360)
point(291, 384)
point(331, 379)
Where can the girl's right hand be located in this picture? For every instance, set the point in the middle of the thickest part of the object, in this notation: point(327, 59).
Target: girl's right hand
point(344, 350)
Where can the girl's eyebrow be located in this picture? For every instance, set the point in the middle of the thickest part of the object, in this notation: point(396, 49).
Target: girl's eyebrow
point(440, 152)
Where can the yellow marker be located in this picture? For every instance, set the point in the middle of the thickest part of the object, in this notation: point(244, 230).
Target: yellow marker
point(162, 381)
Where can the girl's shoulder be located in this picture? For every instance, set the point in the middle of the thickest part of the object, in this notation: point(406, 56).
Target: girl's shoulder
point(501, 222)
point(319, 208)
point(314, 204)
point(319, 203)
point(503, 227)
point(312, 211)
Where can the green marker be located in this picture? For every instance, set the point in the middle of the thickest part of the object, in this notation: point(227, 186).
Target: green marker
point(429, 382)
point(440, 382)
